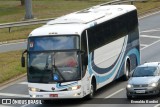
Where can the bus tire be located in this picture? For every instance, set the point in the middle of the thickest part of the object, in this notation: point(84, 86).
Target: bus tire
point(127, 71)
point(92, 90)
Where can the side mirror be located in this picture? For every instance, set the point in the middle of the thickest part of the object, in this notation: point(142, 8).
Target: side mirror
point(23, 61)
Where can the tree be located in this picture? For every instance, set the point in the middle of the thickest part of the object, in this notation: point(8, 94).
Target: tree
point(22, 2)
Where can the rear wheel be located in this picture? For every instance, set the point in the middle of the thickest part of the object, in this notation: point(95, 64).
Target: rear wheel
point(127, 71)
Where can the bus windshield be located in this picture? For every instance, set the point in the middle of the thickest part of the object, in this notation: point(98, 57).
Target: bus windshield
point(53, 43)
point(53, 66)
point(53, 58)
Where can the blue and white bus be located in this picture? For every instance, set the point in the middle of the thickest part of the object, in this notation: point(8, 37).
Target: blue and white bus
point(76, 54)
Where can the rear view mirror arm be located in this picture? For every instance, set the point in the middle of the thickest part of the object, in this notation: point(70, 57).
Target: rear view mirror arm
point(23, 58)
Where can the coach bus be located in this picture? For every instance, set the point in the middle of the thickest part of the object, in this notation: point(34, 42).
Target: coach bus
point(78, 53)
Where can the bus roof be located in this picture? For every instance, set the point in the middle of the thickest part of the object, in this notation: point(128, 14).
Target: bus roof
point(77, 22)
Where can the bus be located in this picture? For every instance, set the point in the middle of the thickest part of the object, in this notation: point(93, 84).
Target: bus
point(74, 55)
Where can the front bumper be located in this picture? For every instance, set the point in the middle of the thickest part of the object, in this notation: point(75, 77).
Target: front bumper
point(57, 95)
point(142, 91)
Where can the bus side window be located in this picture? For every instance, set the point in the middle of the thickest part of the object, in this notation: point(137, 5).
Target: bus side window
point(84, 42)
point(132, 26)
point(84, 56)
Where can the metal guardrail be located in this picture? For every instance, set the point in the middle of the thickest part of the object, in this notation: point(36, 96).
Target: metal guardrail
point(24, 23)
point(122, 1)
point(42, 21)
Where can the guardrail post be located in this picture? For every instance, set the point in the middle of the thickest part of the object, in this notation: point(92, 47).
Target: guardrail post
point(132, 2)
point(9, 29)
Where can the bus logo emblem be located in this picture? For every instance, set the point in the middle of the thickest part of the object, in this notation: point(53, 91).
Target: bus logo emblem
point(31, 44)
point(53, 88)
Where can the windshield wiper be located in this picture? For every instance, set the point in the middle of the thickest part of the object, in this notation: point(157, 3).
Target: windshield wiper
point(47, 63)
point(56, 69)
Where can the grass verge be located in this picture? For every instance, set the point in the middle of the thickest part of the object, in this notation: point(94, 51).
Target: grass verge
point(10, 65)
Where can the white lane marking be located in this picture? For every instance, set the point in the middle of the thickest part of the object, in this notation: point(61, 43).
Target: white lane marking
point(14, 95)
point(115, 93)
point(157, 37)
point(149, 15)
point(25, 83)
point(143, 45)
point(151, 30)
point(25, 105)
point(5, 106)
point(158, 105)
point(150, 44)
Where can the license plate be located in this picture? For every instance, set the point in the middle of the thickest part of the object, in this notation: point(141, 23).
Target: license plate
point(53, 95)
point(140, 91)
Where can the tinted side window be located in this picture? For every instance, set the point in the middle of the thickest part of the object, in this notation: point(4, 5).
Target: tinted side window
point(107, 32)
point(84, 57)
point(83, 42)
point(132, 20)
point(132, 26)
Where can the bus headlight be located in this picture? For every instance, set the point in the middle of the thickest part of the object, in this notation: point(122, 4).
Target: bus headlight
point(34, 89)
point(74, 88)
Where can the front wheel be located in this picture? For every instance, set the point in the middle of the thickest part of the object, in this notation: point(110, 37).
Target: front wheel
point(92, 91)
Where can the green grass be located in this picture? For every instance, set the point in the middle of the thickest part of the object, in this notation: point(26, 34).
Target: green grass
point(11, 10)
point(145, 6)
point(10, 66)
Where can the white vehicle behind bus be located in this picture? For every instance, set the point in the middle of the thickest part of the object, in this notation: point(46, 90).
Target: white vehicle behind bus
point(76, 54)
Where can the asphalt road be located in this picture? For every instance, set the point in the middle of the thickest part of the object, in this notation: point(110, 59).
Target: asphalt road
point(114, 93)
point(12, 46)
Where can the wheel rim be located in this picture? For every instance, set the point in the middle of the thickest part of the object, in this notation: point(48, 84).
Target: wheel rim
point(127, 70)
point(92, 90)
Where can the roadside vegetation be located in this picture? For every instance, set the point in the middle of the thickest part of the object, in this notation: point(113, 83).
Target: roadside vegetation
point(10, 65)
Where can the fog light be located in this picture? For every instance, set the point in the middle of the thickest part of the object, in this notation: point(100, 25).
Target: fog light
point(77, 94)
point(74, 88)
point(34, 96)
